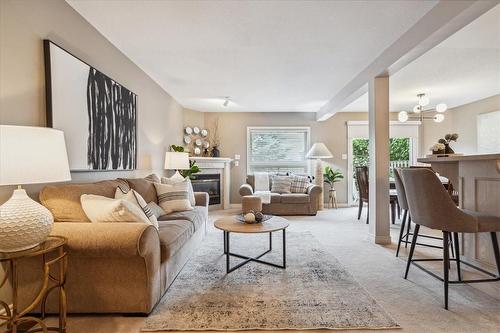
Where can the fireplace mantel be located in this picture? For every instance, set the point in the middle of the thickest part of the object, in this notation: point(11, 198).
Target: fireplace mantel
point(221, 165)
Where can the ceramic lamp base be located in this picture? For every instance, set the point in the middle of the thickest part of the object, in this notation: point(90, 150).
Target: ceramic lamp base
point(24, 223)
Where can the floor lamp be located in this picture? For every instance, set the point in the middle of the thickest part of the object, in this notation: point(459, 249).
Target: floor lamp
point(317, 152)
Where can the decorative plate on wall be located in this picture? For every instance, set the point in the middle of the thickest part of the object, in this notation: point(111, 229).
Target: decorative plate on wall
point(188, 130)
point(196, 130)
point(204, 133)
point(206, 144)
point(187, 139)
point(198, 142)
point(197, 151)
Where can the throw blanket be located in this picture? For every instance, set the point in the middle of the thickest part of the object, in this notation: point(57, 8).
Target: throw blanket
point(261, 189)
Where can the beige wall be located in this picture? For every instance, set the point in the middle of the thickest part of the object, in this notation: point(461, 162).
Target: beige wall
point(194, 118)
point(233, 133)
point(23, 26)
point(464, 119)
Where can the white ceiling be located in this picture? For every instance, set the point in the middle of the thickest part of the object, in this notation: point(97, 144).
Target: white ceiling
point(266, 55)
point(462, 69)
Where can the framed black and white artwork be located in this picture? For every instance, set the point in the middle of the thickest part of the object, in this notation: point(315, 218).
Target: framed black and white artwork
point(97, 114)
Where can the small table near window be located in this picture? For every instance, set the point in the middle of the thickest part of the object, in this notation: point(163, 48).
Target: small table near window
point(231, 224)
point(53, 252)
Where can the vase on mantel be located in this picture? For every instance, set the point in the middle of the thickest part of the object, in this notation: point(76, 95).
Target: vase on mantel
point(215, 152)
point(448, 149)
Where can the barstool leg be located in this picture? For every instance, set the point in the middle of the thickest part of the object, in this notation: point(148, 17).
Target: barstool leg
point(360, 208)
point(446, 265)
point(401, 231)
point(412, 248)
point(408, 230)
point(494, 240)
point(457, 255)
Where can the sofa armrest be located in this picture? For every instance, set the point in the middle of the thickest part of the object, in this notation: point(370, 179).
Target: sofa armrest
point(201, 198)
point(114, 239)
point(314, 190)
point(246, 189)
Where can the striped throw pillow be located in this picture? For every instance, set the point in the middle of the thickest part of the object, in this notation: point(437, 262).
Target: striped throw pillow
point(299, 184)
point(173, 197)
point(281, 184)
point(136, 199)
point(173, 180)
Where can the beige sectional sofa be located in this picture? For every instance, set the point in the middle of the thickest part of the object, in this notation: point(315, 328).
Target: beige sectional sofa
point(115, 267)
point(287, 204)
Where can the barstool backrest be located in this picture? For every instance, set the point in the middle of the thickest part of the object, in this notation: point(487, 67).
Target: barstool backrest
point(430, 204)
point(403, 203)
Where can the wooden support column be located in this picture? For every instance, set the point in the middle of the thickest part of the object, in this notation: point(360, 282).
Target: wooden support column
point(378, 93)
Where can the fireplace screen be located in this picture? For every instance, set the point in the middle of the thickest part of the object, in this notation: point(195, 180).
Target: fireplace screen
point(209, 183)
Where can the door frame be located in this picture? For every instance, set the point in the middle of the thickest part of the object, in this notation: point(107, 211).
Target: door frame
point(359, 130)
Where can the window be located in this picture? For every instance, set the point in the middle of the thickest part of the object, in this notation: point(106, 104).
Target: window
point(277, 149)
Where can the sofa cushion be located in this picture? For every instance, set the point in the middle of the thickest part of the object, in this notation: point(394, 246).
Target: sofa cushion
point(173, 235)
point(63, 201)
point(275, 198)
point(295, 198)
point(144, 187)
point(197, 216)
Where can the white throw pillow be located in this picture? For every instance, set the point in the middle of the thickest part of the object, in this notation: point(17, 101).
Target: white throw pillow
point(103, 209)
point(176, 180)
point(155, 209)
point(135, 198)
point(281, 184)
point(173, 198)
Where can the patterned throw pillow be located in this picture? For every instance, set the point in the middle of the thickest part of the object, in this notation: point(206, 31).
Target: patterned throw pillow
point(281, 184)
point(136, 199)
point(153, 178)
point(155, 209)
point(172, 181)
point(299, 184)
point(173, 197)
point(101, 209)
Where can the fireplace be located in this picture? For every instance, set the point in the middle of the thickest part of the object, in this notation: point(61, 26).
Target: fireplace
point(209, 183)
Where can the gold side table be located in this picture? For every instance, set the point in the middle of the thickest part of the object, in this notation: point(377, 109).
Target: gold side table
point(19, 319)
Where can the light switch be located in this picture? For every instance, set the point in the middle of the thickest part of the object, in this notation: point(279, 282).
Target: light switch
point(236, 157)
point(236, 163)
point(344, 156)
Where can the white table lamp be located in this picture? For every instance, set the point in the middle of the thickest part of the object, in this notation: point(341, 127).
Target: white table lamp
point(317, 152)
point(28, 155)
point(176, 161)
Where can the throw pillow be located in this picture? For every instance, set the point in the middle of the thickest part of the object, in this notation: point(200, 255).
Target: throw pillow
point(299, 184)
point(153, 178)
point(173, 197)
point(135, 198)
point(103, 209)
point(155, 209)
point(172, 181)
point(281, 184)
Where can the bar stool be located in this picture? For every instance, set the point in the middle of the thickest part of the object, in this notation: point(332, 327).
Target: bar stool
point(431, 206)
point(404, 206)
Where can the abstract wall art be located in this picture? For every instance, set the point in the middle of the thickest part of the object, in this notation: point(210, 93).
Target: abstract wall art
point(97, 114)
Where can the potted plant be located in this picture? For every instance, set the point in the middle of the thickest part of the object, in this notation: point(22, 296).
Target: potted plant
point(438, 148)
point(193, 168)
point(332, 176)
point(446, 142)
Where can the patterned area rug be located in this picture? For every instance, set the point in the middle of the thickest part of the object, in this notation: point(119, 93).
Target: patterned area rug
point(314, 292)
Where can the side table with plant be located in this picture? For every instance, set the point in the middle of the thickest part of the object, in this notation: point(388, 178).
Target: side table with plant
point(331, 177)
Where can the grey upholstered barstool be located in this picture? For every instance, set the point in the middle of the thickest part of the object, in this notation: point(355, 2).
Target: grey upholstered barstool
point(403, 204)
point(431, 206)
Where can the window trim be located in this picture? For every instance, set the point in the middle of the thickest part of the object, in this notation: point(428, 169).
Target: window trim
point(306, 129)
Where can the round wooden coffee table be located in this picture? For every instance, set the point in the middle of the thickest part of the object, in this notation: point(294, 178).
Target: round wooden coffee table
point(231, 224)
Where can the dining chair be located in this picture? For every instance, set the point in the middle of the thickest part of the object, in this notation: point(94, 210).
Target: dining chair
point(363, 190)
point(431, 206)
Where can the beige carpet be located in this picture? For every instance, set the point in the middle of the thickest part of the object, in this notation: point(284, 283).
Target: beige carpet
point(314, 292)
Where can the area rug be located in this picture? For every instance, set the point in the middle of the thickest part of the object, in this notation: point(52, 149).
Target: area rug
point(314, 292)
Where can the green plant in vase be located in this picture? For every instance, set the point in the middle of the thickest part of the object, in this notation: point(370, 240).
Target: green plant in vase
point(332, 176)
point(193, 168)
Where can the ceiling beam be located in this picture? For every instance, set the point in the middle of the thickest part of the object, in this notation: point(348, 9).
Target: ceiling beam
point(442, 21)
